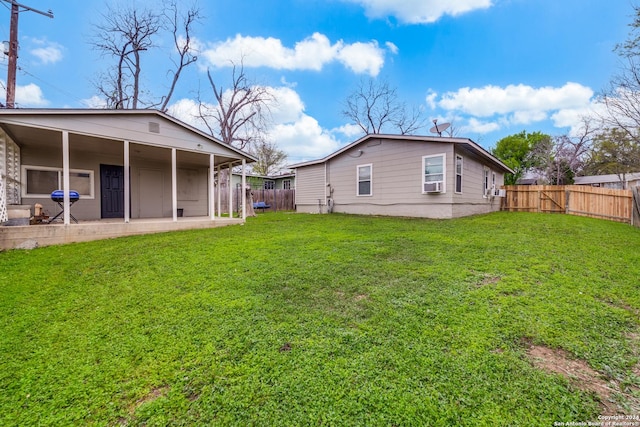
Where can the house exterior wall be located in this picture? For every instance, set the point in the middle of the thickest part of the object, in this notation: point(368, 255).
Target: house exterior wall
point(397, 181)
point(257, 182)
point(192, 183)
point(311, 188)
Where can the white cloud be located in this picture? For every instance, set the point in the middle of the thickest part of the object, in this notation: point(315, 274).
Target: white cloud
point(30, 96)
point(362, 57)
point(293, 131)
point(392, 48)
point(420, 11)
point(94, 102)
point(491, 108)
point(431, 98)
point(26, 96)
point(476, 126)
point(47, 52)
point(491, 100)
point(351, 131)
point(186, 110)
point(312, 53)
point(304, 139)
point(572, 117)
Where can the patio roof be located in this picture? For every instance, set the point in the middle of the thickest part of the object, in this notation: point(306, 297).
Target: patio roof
point(35, 127)
point(126, 135)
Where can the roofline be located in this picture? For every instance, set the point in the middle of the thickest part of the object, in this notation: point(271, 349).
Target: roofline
point(417, 138)
point(121, 112)
point(287, 175)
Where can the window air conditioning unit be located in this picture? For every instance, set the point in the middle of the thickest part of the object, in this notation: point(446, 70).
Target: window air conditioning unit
point(499, 192)
point(433, 187)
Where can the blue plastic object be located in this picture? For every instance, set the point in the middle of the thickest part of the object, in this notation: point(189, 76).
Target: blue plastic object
point(58, 196)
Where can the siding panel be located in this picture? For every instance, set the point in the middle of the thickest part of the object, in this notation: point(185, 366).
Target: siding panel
point(310, 185)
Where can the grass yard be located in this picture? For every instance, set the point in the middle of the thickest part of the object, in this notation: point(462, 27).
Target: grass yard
point(501, 319)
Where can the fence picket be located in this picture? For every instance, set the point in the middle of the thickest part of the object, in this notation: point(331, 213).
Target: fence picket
point(605, 203)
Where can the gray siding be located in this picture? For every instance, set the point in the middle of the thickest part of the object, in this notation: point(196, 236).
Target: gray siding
point(397, 175)
point(192, 183)
point(310, 187)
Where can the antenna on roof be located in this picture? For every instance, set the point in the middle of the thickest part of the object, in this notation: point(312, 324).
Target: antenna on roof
point(439, 128)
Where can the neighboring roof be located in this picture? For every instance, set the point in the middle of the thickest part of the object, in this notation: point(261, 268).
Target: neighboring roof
point(527, 181)
point(43, 112)
point(284, 175)
point(464, 142)
point(600, 179)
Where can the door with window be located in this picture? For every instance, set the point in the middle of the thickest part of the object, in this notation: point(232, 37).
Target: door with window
point(112, 191)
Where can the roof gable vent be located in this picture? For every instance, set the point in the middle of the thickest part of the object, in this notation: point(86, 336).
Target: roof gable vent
point(154, 127)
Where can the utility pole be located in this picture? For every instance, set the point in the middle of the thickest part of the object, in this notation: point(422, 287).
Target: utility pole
point(13, 48)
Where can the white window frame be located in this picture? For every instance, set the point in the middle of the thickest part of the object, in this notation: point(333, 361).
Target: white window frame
point(286, 184)
point(25, 190)
point(268, 184)
point(358, 180)
point(423, 179)
point(458, 157)
point(493, 181)
point(485, 182)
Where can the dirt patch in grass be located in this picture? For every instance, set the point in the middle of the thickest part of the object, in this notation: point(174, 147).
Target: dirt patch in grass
point(149, 397)
point(579, 374)
point(488, 279)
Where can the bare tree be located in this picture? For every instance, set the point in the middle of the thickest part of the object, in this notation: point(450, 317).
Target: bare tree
point(374, 106)
point(241, 114)
point(560, 158)
point(270, 158)
point(622, 100)
point(409, 122)
point(124, 35)
point(182, 42)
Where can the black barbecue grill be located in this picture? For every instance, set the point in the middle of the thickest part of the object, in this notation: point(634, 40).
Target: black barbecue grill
point(58, 197)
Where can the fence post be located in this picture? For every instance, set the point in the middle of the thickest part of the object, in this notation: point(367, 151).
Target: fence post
point(567, 193)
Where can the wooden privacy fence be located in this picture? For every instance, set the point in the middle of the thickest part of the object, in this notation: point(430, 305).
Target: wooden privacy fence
point(605, 203)
point(279, 200)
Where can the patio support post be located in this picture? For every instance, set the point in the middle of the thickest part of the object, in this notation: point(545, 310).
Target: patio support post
point(127, 183)
point(230, 191)
point(244, 190)
point(65, 178)
point(212, 184)
point(174, 183)
point(219, 191)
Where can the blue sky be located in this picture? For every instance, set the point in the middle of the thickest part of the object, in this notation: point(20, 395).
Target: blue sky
point(491, 67)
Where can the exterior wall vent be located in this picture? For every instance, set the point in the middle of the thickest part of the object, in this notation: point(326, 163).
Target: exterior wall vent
point(154, 127)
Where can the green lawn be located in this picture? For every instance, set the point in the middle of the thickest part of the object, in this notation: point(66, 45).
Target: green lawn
point(322, 320)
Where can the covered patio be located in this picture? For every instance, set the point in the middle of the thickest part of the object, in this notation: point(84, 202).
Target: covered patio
point(135, 172)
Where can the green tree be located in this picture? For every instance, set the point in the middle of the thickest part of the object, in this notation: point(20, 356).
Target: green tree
point(516, 152)
point(615, 152)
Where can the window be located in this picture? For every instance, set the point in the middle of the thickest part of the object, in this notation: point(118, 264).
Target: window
point(493, 180)
point(269, 185)
point(364, 180)
point(434, 172)
point(286, 184)
point(458, 174)
point(41, 181)
point(485, 182)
